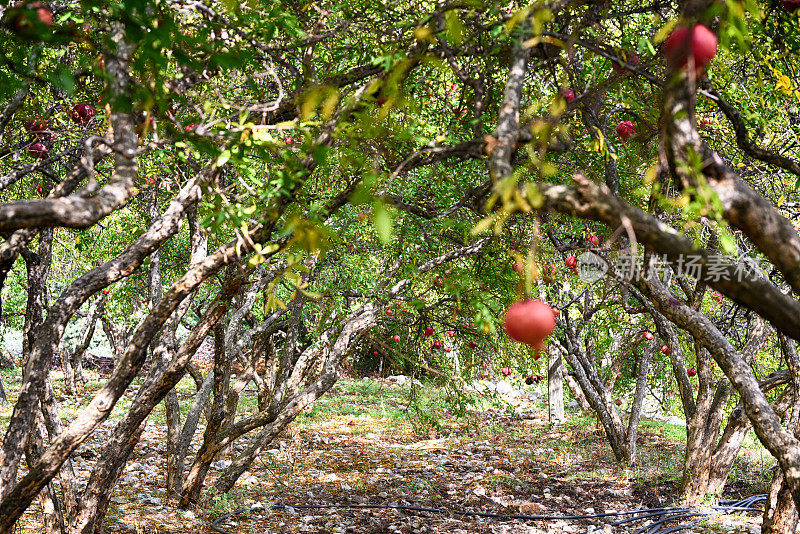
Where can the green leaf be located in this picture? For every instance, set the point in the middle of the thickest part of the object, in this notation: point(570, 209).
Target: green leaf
point(382, 220)
point(223, 158)
point(454, 28)
point(727, 243)
point(67, 81)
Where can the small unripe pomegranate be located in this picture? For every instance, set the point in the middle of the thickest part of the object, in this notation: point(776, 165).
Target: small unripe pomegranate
point(396, 338)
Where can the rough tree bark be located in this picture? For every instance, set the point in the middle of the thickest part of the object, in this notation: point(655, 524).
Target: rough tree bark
point(594, 390)
point(284, 379)
point(780, 513)
point(709, 457)
point(96, 310)
point(642, 373)
point(37, 264)
point(167, 346)
point(16, 497)
point(95, 498)
point(555, 387)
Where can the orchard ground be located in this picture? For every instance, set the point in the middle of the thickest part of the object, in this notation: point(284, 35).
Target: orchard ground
point(374, 441)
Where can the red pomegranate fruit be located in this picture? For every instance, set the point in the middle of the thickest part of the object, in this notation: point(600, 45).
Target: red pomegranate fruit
point(626, 130)
point(38, 150)
point(696, 42)
point(529, 322)
point(82, 113)
point(571, 262)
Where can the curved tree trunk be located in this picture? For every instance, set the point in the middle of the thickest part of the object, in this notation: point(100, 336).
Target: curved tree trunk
point(780, 513)
point(95, 498)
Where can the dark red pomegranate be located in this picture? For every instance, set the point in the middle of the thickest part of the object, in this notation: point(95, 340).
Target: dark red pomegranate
point(35, 126)
point(38, 150)
point(696, 42)
point(82, 113)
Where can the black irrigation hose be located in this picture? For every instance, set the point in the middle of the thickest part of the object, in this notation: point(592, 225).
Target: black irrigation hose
point(666, 514)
